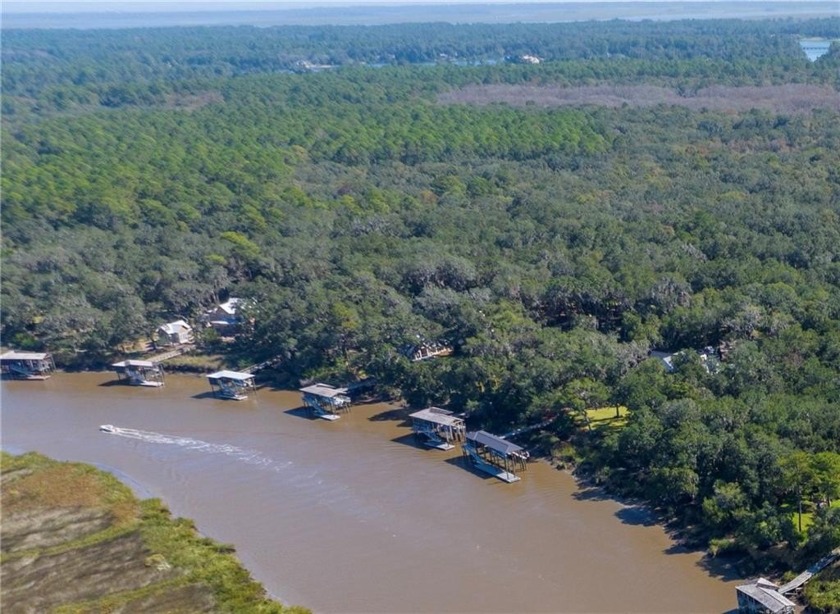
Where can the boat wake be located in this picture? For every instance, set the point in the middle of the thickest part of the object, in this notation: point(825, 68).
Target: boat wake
point(252, 457)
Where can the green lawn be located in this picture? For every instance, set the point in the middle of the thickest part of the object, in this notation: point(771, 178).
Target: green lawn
point(605, 417)
point(807, 517)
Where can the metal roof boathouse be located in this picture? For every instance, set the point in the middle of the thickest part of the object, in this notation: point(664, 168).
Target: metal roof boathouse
point(325, 401)
point(27, 365)
point(438, 428)
point(232, 384)
point(495, 455)
point(139, 373)
point(761, 596)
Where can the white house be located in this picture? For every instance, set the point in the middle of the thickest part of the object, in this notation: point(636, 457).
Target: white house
point(708, 358)
point(175, 333)
point(225, 316)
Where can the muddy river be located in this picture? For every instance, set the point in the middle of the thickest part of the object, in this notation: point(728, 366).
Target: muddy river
point(351, 516)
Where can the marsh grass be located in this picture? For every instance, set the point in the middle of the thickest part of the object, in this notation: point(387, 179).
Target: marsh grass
point(183, 567)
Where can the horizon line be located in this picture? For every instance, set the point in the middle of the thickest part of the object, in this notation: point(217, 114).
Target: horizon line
point(198, 6)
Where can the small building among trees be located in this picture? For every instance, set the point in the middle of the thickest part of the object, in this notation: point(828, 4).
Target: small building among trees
point(225, 317)
point(708, 356)
point(424, 350)
point(175, 333)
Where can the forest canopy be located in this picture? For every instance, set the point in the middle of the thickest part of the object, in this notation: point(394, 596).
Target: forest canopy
point(343, 179)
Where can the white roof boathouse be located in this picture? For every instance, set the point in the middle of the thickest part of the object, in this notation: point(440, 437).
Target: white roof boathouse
point(232, 384)
point(438, 428)
point(27, 365)
point(325, 401)
point(494, 455)
point(139, 372)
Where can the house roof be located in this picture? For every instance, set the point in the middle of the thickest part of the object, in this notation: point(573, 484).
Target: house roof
point(236, 375)
point(133, 363)
point(222, 322)
point(13, 355)
point(438, 416)
point(495, 443)
point(765, 593)
point(231, 305)
point(324, 390)
point(177, 326)
point(666, 357)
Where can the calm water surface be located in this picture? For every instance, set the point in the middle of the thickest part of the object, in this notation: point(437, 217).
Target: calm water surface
point(349, 516)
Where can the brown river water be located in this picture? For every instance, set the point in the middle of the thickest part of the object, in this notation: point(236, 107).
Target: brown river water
point(351, 516)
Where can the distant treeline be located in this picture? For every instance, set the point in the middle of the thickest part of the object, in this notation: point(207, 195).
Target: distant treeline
point(61, 68)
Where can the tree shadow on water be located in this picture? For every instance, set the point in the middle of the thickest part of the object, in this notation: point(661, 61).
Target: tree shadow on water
point(727, 568)
point(592, 493)
point(458, 461)
point(724, 567)
point(411, 441)
point(301, 412)
point(637, 515)
point(113, 382)
point(631, 513)
point(390, 415)
point(205, 395)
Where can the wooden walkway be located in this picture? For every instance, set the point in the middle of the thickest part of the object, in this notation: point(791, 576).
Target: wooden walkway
point(262, 365)
point(171, 353)
point(526, 429)
point(806, 575)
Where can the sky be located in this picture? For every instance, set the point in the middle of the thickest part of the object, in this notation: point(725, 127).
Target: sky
point(74, 6)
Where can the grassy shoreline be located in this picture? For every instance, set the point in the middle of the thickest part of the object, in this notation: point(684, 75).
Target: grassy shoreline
point(90, 545)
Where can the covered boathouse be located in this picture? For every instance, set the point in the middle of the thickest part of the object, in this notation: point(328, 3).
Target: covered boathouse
point(139, 373)
point(27, 365)
point(495, 455)
point(325, 401)
point(437, 428)
point(232, 384)
point(761, 596)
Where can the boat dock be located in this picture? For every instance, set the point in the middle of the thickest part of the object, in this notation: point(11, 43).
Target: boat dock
point(437, 428)
point(27, 365)
point(233, 385)
point(139, 373)
point(494, 455)
point(325, 401)
point(761, 595)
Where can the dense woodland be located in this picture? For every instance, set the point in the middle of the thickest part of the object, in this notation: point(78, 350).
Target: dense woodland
point(150, 173)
